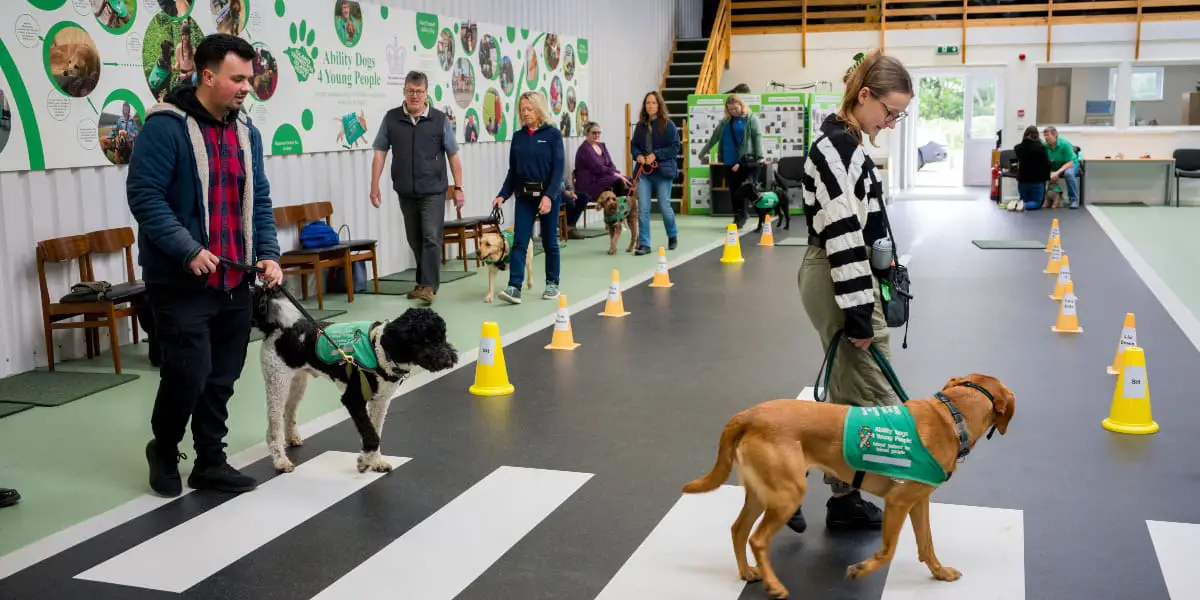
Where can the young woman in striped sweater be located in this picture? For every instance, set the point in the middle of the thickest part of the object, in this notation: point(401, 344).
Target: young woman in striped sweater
point(843, 194)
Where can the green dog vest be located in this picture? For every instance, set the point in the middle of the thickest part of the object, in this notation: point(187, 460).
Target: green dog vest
point(502, 264)
point(883, 440)
point(621, 212)
point(353, 338)
point(767, 201)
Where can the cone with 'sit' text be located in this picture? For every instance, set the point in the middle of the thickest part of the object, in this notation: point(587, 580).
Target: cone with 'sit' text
point(1130, 411)
point(1128, 338)
point(1068, 319)
point(614, 306)
point(661, 277)
point(563, 338)
point(491, 374)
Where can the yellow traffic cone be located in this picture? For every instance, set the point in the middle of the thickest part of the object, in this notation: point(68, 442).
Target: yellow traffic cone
point(614, 306)
point(562, 339)
point(768, 237)
point(1056, 255)
point(733, 246)
point(1128, 339)
point(1130, 411)
point(1068, 320)
point(1064, 277)
point(1054, 234)
point(662, 279)
point(491, 374)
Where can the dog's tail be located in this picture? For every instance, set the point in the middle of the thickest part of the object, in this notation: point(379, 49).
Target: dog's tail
point(271, 310)
point(730, 436)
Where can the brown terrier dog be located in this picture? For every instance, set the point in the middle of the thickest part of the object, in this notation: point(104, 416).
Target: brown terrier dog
point(776, 442)
point(496, 249)
point(618, 210)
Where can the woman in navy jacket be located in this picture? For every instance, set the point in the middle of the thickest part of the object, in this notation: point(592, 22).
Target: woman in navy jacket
point(655, 140)
point(535, 177)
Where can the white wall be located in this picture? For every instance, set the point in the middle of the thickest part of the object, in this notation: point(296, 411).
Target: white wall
point(630, 41)
point(759, 59)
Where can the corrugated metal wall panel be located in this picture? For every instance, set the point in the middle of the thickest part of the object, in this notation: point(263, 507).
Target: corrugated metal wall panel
point(689, 18)
point(630, 41)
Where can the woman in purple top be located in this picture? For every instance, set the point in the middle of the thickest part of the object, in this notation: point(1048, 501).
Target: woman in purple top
point(595, 172)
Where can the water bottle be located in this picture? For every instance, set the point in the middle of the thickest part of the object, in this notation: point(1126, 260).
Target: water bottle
point(882, 254)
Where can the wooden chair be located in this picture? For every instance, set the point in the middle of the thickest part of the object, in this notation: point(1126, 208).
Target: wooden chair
point(461, 229)
point(312, 261)
point(97, 314)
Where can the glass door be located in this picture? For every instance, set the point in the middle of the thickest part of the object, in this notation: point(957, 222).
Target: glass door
point(984, 113)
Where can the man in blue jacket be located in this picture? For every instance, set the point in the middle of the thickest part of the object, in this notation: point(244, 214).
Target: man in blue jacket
point(198, 190)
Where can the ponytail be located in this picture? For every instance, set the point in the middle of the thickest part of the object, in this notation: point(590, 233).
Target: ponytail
point(883, 75)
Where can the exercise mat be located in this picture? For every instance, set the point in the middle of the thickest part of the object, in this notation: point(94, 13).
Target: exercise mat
point(55, 388)
point(1009, 244)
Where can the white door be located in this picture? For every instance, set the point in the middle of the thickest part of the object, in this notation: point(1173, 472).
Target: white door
point(983, 114)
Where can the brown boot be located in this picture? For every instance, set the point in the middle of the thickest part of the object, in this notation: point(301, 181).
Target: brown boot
point(413, 292)
point(424, 294)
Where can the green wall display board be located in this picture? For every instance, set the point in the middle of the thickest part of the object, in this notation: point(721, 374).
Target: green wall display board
point(819, 107)
point(77, 76)
point(782, 119)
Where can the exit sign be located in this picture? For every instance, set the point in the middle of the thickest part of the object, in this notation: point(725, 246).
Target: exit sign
point(947, 50)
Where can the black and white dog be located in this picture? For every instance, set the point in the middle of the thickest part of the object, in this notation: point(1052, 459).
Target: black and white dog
point(294, 350)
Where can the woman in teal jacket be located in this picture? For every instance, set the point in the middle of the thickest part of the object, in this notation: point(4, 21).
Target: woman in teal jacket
point(737, 136)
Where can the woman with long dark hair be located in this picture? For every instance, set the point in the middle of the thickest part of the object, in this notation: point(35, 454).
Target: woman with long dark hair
point(1033, 169)
point(655, 148)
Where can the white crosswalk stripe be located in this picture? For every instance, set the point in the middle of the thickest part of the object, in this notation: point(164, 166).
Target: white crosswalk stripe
point(1175, 546)
point(443, 554)
point(185, 555)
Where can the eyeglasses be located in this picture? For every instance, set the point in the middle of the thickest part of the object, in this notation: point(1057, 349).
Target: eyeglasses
point(412, 92)
point(893, 116)
point(595, 132)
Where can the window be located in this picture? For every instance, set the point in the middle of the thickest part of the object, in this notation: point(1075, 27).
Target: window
point(1145, 84)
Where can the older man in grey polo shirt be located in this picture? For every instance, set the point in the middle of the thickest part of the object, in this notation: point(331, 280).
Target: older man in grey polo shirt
point(421, 138)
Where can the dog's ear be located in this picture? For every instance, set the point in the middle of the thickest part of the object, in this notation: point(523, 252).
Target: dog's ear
point(1004, 407)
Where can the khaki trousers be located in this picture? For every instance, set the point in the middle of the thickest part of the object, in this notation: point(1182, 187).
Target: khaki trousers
point(856, 379)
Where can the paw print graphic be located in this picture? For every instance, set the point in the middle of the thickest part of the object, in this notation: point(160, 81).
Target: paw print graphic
point(302, 54)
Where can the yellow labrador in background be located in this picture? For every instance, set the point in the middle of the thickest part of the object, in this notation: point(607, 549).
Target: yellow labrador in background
point(496, 249)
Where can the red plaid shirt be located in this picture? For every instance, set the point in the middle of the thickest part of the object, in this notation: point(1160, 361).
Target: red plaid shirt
point(226, 179)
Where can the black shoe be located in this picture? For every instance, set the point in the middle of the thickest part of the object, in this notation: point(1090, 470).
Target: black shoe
point(222, 478)
point(642, 251)
point(8, 497)
point(852, 512)
point(672, 243)
point(797, 522)
point(164, 469)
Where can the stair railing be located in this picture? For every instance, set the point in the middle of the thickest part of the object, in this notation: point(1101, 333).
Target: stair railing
point(716, 56)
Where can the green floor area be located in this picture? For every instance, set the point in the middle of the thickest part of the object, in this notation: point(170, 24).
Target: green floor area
point(1166, 239)
point(80, 459)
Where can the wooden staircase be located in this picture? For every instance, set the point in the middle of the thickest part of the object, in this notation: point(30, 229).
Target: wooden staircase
point(682, 75)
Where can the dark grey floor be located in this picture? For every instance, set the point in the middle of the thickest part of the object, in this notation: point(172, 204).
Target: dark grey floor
point(641, 403)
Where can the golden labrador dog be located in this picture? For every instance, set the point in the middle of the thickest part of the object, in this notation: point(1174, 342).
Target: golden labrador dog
point(615, 214)
point(776, 442)
point(495, 250)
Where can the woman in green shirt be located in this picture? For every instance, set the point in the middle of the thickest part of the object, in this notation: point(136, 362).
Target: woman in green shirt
point(737, 136)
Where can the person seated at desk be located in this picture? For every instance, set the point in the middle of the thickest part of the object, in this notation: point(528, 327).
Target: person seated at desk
point(1033, 169)
point(1064, 163)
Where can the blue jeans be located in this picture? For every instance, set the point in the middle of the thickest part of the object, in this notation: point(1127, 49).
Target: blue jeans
point(661, 188)
point(1071, 176)
point(525, 212)
point(1032, 194)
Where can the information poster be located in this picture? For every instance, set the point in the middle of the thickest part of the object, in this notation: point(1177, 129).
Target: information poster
point(819, 107)
point(77, 76)
point(782, 123)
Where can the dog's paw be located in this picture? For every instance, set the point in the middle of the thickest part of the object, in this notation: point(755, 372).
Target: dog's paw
point(373, 462)
point(946, 574)
point(776, 590)
point(611, 251)
point(529, 284)
point(283, 465)
point(751, 575)
point(487, 299)
point(293, 438)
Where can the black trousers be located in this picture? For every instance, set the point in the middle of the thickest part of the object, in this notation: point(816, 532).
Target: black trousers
point(737, 196)
point(202, 334)
point(424, 224)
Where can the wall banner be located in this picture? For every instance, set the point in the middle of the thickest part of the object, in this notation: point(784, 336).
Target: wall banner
point(76, 76)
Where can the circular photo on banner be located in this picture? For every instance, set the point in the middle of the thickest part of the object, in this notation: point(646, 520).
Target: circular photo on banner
point(115, 16)
point(489, 56)
point(230, 16)
point(176, 9)
point(72, 60)
point(506, 76)
point(169, 52)
point(266, 73)
point(564, 124)
point(551, 51)
point(493, 112)
point(5, 119)
point(582, 117)
point(471, 126)
point(570, 100)
point(531, 67)
point(445, 49)
point(569, 62)
point(347, 21)
point(118, 128)
point(556, 94)
point(462, 82)
point(468, 34)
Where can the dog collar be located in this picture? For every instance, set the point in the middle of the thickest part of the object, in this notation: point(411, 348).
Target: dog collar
point(960, 422)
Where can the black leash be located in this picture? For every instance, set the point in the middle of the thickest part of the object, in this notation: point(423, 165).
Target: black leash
point(876, 353)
